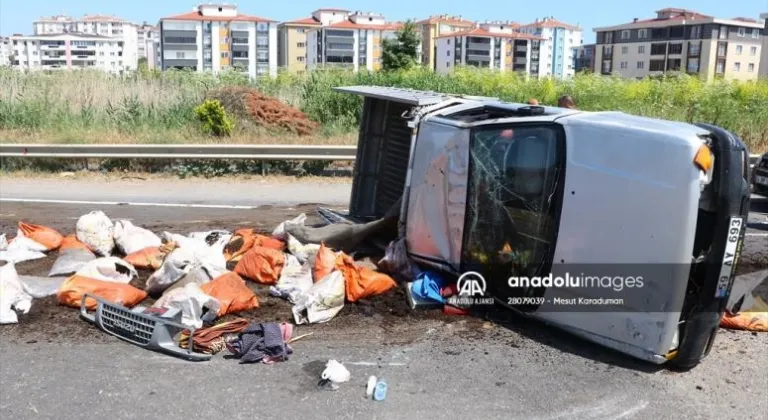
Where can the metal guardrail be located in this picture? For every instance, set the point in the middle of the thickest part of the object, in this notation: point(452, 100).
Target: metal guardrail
point(191, 151)
point(159, 151)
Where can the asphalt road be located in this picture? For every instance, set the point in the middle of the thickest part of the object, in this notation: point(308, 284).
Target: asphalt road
point(515, 369)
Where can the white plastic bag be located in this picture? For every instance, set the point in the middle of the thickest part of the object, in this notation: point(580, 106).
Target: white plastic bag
point(335, 372)
point(97, 231)
point(209, 256)
point(213, 238)
point(180, 264)
point(279, 232)
point(71, 260)
point(22, 249)
point(110, 269)
point(191, 300)
point(322, 301)
point(295, 279)
point(40, 287)
point(12, 295)
point(130, 238)
point(302, 252)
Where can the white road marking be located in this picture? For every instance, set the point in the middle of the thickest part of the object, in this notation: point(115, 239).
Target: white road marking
point(756, 234)
point(127, 203)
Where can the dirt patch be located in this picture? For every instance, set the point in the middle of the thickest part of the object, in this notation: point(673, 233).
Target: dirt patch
point(264, 110)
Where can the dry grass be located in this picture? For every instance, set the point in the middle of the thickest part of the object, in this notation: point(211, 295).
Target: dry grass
point(181, 136)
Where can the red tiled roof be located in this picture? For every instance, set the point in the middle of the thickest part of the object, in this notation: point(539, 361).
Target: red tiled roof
point(691, 15)
point(551, 23)
point(332, 10)
point(101, 18)
point(446, 19)
point(486, 33)
point(347, 24)
point(305, 21)
point(197, 16)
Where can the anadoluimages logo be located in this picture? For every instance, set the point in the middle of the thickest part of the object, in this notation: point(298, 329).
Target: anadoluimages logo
point(471, 283)
point(471, 287)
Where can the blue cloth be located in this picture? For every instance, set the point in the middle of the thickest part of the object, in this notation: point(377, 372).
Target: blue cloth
point(427, 286)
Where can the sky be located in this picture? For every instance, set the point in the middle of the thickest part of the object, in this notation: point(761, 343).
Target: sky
point(16, 16)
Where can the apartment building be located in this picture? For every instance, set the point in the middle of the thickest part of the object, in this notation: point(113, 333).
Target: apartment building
point(434, 27)
point(560, 43)
point(494, 46)
point(292, 37)
point(106, 26)
point(5, 51)
point(71, 50)
point(584, 59)
point(355, 42)
point(214, 37)
point(685, 41)
point(149, 44)
point(764, 49)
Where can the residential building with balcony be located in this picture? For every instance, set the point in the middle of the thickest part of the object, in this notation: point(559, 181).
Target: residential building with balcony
point(584, 59)
point(106, 26)
point(681, 41)
point(560, 43)
point(354, 43)
point(292, 42)
point(434, 27)
point(5, 51)
point(149, 44)
point(764, 49)
point(70, 51)
point(489, 47)
point(214, 37)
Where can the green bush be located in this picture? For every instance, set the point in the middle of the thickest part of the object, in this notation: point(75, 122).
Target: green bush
point(214, 118)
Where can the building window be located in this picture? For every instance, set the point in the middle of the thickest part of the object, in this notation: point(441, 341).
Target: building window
point(674, 64)
point(737, 66)
point(623, 64)
point(179, 54)
point(658, 49)
point(641, 49)
point(694, 48)
point(723, 32)
point(752, 50)
point(656, 65)
point(675, 48)
point(720, 66)
point(695, 32)
point(625, 34)
point(742, 32)
point(301, 45)
point(751, 67)
point(739, 48)
point(300, 30)
point(624, 50)
point(608, 38)
point(642, 33)
point(300, 59)
point(755, 33)
point(606, 66)
point(721, 49)
point(448, 53)
point(640, 64)
point(225, 54)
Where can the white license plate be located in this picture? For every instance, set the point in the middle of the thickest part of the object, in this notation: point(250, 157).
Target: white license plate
point(729, 256)
point(762, 180)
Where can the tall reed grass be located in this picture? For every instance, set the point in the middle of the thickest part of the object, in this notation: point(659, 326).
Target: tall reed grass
point(132, 105)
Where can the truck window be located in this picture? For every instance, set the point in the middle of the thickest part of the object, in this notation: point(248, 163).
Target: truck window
point(513, 200)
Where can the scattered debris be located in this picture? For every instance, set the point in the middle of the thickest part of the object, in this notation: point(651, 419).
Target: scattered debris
point(130, 238)
point(266, 343)
point(380, 391)
point(334, 374)
point(12, 295)
point(371, 386)
point(96, 230)
point(195, 306)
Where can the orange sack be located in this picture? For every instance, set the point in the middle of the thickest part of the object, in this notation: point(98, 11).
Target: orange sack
point(43, 235)
point(150, 258)
point(262, 265)
point(71, 242)
point(748, 321)
point(245, 239)
point(234, 295)
point(362, 282)
point(325, 263)
point(72, 290)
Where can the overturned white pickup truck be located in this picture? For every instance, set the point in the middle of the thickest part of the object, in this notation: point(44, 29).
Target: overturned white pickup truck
point(622, 229)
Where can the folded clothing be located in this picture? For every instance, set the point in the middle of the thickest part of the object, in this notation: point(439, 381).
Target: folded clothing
point(263, 342)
